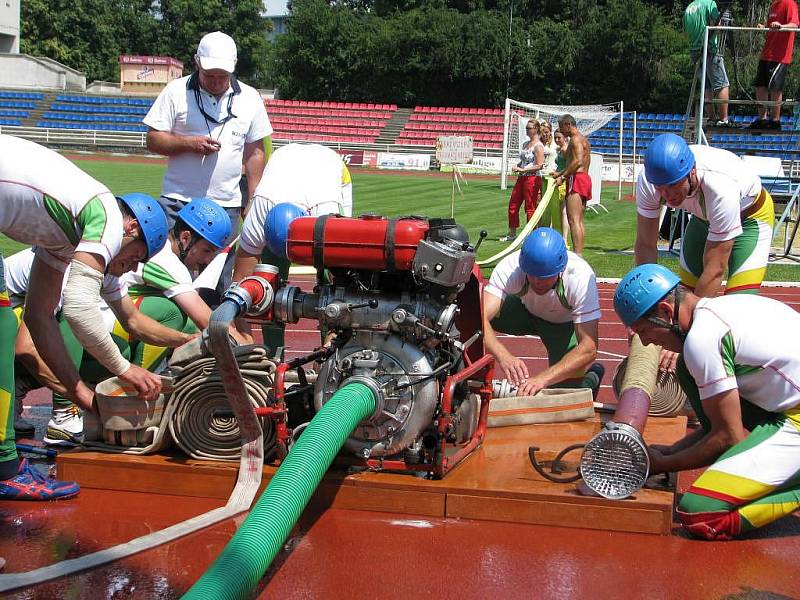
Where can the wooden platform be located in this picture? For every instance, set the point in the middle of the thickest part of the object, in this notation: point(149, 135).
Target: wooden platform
point(494, 483)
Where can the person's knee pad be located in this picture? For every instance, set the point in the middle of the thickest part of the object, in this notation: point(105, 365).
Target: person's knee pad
point(715, 526)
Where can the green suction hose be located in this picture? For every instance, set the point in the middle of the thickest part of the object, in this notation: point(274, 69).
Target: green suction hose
point(247, 556)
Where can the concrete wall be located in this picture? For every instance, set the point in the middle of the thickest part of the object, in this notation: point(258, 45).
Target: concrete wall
point(23, 71)
point(9, 26)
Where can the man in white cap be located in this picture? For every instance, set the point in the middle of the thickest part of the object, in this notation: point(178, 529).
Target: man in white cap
point(208, 124)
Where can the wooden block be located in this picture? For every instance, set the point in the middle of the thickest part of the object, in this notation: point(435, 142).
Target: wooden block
point(618, 516)
point(496, 482)
point(406, 502)
point(159, 474)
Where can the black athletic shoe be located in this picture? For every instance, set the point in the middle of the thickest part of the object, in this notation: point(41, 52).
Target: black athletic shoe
point(758, 124)
point(594, 377)
point(774, 125)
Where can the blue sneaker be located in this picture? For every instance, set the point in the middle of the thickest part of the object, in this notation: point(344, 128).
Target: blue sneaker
point(30, 484)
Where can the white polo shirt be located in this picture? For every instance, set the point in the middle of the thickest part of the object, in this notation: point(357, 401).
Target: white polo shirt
point(310, 175)
point(749, 343)
point(727, 186)
point(217, 175)
point(573, 299)
point(47, 201)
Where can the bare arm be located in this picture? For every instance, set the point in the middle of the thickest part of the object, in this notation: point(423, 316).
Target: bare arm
point(244, 264)
point(645, 249)
point(199, 312)
point(254, 162)
point(172, 144)
point(715, 260)
point(144, 328)
point(725, 414)
point(572, 365)
point(44, 291)
point(515, 368)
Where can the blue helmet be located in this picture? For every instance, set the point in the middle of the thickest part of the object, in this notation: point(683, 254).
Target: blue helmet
point(208, 220)
point(544, 253)
point(668, 159)
point(276, 227)
point(151, 218)
point(641, 289)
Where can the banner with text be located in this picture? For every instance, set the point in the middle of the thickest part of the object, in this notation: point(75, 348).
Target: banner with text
point(352, 158)
point(480, 165)
point(454, 149)
point(389, 160)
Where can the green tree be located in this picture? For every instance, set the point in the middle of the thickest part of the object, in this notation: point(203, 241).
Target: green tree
point(88, 35)
point(184, 22)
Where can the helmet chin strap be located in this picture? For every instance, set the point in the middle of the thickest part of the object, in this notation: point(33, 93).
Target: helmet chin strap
point(674, 326)
point(183, 252)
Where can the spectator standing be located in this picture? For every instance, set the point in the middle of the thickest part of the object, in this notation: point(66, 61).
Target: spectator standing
point(775, 60)
point(576, 176)
point(697, 16)
point(208, 124)
point(529, 181)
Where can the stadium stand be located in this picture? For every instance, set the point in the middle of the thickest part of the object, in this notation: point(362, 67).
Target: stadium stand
point(382, 125)
point(783, 144)
point(351, 122)
point(426, 123)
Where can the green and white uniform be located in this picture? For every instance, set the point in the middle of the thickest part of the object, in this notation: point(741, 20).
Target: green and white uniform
point(553, 315)
point(152, 287)
point(46, 201)
point(745, 343)
point(728, 204)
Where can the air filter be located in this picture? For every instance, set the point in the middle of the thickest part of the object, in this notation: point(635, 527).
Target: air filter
point(615, 463)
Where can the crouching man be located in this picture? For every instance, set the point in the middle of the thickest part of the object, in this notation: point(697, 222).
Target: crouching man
point(740, 368)
point(547, 291)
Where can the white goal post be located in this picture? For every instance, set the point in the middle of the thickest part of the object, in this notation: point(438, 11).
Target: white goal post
point(589, 118)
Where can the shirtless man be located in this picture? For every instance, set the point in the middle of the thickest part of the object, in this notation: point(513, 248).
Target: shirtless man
point(576, 176)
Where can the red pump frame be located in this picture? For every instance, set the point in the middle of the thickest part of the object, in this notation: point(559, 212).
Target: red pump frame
point(479, 367)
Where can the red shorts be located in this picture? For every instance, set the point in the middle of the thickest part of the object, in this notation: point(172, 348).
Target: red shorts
point(581, 184)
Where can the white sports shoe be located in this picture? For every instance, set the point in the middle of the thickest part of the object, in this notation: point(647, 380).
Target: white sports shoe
point(65, 428)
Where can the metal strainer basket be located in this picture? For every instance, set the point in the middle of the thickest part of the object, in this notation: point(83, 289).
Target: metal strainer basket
point(615, 463)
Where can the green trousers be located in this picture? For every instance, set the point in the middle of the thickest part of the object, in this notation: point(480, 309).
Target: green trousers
point(8, 336)
point(558, 338)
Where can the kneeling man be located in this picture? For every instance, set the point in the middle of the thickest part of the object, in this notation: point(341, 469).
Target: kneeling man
point(547, 291)
point(740, 368)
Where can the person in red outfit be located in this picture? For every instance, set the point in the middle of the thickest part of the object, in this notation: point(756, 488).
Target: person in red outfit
point(529, 180)
point(775, 60)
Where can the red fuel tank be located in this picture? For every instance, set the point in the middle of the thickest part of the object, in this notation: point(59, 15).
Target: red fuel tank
point(366, 242)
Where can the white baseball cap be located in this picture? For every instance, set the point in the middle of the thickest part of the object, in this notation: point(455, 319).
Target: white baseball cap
point(217, 50)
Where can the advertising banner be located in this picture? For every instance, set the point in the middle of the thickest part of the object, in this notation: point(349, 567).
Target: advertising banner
point(417, 162)
point(481, 165)
point(352, 158)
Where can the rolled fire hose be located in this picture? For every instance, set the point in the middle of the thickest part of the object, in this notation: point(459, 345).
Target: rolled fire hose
point(668, 398)
point(199, 394)
point(241, 497)
point(550, 405)
point(247, 556)
point(189, 412)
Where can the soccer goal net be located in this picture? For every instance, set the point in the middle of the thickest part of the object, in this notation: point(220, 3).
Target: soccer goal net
point(589, 118)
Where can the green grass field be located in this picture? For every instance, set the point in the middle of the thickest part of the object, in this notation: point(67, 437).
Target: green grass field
point(609, 237)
